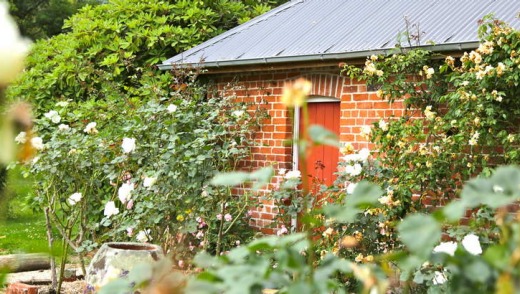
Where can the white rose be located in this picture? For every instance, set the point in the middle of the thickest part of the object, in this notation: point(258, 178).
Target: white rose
point(439, 278)
point(429, 72)
point(148, 182)
point(238, 113)
point(13, 48)
point(446, 247)
point(365, 131)
point(53, 116)
point(351, 187)
point(37, 143)
point(471, 244)
point(143, 236)
point(383, 125)
point(74, 198)
point(128, 145)
point(125, 192)
point(171, 108)
point(62, 104)
point(385, 200)
point(63, 127)
point(364, 154)
point(21, 138)
point(110, 209)
point(352, 157)
point(90, 128)
point(353, 170)
point(293, 174)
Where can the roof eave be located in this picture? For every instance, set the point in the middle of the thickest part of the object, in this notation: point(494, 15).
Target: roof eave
point(319, 57)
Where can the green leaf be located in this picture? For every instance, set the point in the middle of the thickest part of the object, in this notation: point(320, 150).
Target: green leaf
point(477, 271)
point(118, 286)
point(205, 260)
point(203, 285)
point(420, 233)
point(300, 288)
point(261, 177)
point(322, 136)
point(208, 277)
point(508, 179)
point(230, 179)
point(265, 243)
point(454, 210)
point(497, 255)
point(238, 254)
point(484, 191)
point(418, 278)
point(330, 265)
point(365, 196)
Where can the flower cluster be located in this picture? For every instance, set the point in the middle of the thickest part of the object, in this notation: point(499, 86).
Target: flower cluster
point(53, 116)
point(370, 67)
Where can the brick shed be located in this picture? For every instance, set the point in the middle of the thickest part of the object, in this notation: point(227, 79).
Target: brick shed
point(309, 38)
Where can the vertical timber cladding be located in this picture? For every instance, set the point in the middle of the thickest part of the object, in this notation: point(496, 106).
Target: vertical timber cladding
point(358, 107)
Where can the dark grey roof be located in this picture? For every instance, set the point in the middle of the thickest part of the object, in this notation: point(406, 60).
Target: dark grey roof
point(311, 30)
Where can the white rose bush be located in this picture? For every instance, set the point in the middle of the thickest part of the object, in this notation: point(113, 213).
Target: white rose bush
point(102, 176)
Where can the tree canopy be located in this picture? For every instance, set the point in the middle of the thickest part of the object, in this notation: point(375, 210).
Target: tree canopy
point(40, 19)
point(109, 50)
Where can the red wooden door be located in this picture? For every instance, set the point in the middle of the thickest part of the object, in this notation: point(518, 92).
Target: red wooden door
point(323, 160)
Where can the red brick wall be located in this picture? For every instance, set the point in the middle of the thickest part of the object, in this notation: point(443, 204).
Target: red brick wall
point(359, 107)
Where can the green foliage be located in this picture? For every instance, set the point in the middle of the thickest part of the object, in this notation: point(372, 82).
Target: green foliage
point(110, 51)
point(467, 268)
point(269, 262)
point(364, 196)
point(420, 233)
point(461, 115)
point(259, 178)
point(182, 141)
point(461, 119)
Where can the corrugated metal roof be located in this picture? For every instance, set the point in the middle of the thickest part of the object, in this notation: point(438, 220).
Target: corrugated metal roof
point(311, 30)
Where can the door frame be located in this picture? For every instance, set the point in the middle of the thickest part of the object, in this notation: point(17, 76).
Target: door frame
point(296, 134)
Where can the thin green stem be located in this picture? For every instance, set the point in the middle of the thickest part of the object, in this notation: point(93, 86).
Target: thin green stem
point(221, 226)
point(303, 150)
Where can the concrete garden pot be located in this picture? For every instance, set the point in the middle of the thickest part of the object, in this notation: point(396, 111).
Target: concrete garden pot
point(115, 259)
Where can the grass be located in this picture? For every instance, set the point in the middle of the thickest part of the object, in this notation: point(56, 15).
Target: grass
point(21, 229)
point(23, 234)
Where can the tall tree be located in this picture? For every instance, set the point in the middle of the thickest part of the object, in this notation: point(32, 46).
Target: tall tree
point(40, 19)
